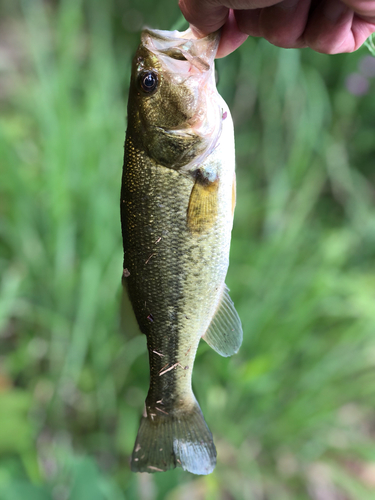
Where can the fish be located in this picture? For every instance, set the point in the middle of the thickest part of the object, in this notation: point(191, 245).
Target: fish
point(177, 202)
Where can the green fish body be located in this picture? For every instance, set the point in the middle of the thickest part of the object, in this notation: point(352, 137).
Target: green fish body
point(177, 203)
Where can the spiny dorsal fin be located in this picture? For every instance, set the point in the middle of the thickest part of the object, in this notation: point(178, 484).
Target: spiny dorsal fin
point(224, 334)
point(202, 210)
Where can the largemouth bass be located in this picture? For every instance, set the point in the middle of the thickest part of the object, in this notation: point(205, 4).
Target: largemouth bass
point(177, 203)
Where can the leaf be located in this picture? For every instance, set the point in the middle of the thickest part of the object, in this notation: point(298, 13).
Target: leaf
point(370, 44)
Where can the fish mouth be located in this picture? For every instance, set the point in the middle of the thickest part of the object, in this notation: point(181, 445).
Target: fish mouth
point(183, 46)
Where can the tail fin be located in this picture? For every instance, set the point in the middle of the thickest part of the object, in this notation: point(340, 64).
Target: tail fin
point(166, 441)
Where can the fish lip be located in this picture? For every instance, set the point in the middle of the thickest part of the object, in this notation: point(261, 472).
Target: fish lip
point(200, 52)
point(170, 36)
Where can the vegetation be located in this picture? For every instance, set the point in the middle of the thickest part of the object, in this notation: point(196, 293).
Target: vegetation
point(293, 413)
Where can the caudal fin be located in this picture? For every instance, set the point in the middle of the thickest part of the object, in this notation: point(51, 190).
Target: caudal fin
point(167, 441)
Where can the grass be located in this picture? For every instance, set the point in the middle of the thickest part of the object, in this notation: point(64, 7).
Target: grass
point(370, 44)
point(292, 413)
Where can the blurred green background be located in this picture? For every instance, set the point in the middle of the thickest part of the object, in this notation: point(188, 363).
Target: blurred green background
point(293, 414)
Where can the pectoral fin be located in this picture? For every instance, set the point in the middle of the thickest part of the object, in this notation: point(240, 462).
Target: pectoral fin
point(224, 334)
point(203, 205)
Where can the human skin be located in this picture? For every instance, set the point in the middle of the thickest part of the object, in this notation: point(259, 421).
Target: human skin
point(326, 26)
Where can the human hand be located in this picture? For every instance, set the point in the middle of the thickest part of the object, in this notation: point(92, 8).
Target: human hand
point(327, 26)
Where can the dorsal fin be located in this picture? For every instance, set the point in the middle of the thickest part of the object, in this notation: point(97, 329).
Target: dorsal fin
point(224, 334)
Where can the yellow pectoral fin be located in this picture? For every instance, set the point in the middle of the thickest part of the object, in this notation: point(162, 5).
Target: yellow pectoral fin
point(203, 206)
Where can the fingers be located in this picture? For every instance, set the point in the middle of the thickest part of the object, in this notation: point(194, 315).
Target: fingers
point(204, 19)
point(206, 16)
point(282, 24)
point(231, 38)
point(327, 26)
point(363, 8)
point(335, 28)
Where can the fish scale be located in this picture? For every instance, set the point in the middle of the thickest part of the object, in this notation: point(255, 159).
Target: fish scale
point(176, 251)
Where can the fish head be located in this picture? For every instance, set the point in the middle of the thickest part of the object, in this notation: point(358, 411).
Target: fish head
point(174, 110)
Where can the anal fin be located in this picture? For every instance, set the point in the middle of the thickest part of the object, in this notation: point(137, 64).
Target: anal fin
point(224, 334)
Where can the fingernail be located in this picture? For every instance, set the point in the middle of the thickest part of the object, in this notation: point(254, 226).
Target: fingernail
point(333, 10)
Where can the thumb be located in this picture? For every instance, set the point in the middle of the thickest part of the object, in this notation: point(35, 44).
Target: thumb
point(203, 17)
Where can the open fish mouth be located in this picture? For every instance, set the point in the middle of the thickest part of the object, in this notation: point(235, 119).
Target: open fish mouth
point(183, 46)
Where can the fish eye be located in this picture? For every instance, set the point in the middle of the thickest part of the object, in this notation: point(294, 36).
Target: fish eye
point(148, 81)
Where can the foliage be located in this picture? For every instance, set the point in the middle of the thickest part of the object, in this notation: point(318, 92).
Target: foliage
point(370, 44)
point(292, 413)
